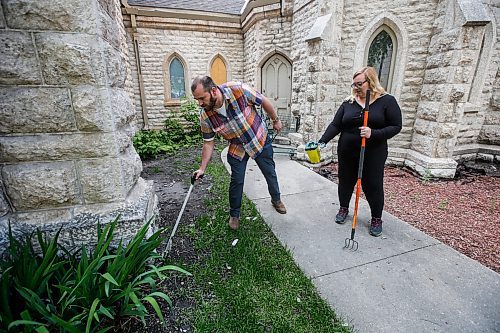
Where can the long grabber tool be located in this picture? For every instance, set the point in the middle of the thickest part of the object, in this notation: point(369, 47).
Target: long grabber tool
point(350, 243)
point(169, 244)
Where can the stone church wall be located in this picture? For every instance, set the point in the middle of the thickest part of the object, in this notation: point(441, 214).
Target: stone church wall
point(263, 36)
point(304, 81)
point(196, 43)
point(66, 121)
point(446, 83)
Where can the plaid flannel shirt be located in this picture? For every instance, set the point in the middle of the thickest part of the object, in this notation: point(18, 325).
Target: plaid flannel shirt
point(243, 127)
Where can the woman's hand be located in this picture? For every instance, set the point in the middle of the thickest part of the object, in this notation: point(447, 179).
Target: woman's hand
point(365, 132)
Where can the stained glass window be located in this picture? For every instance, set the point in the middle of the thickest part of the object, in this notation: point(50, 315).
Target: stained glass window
point(380, 56)
point(177, 84)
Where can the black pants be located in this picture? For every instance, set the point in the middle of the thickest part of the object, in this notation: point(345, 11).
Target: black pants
point(372, 178)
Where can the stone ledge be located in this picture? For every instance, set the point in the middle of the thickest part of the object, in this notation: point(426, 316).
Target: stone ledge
point(435, 167)
point(78, 226)
point(476, 149)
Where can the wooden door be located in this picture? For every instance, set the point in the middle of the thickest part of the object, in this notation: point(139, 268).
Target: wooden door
point(218, 71)
point(277, 86)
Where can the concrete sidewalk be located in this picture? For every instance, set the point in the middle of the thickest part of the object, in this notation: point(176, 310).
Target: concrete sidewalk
point(403, 281)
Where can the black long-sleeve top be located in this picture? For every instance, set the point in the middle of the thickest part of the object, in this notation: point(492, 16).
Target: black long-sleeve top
point(384, 119)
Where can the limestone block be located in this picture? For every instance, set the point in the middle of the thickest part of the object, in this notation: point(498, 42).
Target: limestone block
point(423, 144)
point(41, 185)
point(428, 110)
point(311, 93)
point(100, 180)
point(49, 110)
point(121, 107)
point(92, 108)
point(110, 30)
point(131, 167)
point(440, 75)
point(79, 228)
point(490, 134)
point(426, 127)
point(19, 64)
point(70, 59)
point(36, 217)
point(445, 41)
point(443, 59)
point(444, 148)
point(436, 167)
point(467, 57)
point(116, 66)
point(434, 92)
point(492, 118)
point(59, 15)
point(55, 147)
point(448, 130)
point(448, 112)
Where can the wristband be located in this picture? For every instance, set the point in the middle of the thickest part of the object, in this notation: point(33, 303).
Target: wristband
point(275, 119)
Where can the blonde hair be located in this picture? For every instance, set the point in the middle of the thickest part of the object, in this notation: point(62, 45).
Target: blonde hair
point(372, 78)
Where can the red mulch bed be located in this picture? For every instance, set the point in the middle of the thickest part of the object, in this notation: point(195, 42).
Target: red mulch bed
point(463, 212)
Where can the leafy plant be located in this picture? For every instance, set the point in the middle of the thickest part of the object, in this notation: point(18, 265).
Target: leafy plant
point(84, 290)
point(426, 176)
point(443, 204)
point(190, 112)
point(150, 143)
point(175, 137)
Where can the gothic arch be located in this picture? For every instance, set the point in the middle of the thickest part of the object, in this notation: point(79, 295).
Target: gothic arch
point(166, 77)
point(224, 60)
point(263, 59)
point(397, 29)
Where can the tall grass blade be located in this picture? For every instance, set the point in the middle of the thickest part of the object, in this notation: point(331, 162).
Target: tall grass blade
point(155, 306)
point(91, 315)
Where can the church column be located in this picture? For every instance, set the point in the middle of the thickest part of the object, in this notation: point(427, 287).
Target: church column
point(66, 121)
point(453, 54)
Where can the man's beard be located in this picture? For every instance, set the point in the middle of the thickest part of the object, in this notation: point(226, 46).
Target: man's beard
point(211, 105)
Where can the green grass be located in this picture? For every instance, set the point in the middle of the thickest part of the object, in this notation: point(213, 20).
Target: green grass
point(254, 286)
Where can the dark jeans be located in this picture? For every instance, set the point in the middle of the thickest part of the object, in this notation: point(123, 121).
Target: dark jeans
point(267, 167)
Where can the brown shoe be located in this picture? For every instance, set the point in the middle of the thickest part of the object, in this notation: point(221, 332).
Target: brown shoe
point(279, 206)
point(234, 222)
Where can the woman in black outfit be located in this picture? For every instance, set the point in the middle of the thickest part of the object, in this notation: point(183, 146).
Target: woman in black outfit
point(384, 122)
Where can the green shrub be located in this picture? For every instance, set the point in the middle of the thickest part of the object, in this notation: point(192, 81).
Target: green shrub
point(151, 143)
point(80, 291)
point(190, 111)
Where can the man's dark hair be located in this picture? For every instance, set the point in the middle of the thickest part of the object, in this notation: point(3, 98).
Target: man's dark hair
point(206, 81)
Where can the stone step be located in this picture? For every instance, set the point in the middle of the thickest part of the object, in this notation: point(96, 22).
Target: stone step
point(281, 140)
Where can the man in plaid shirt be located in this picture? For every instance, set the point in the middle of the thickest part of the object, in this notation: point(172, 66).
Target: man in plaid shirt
point(229, 109)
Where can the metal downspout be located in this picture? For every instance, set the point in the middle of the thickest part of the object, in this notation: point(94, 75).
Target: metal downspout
point(135, 41)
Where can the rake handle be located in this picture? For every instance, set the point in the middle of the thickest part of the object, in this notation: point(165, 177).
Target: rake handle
point(361, 162)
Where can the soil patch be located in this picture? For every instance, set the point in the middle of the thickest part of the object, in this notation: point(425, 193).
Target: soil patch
point(171, 175)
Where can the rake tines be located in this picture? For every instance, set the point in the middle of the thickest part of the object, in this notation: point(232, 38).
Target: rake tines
point(351, 244)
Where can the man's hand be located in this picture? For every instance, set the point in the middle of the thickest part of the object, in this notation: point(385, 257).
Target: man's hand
point(198, 174)
point(277, 125)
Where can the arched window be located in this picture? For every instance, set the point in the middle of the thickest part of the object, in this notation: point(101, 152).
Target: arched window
point(381, 55)
point(218, 71)
point(177, 81)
